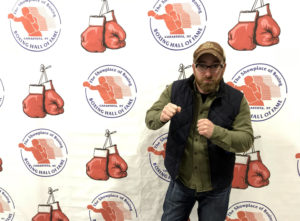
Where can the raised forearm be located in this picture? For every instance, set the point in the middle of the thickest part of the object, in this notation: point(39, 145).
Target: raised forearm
point(232, 141)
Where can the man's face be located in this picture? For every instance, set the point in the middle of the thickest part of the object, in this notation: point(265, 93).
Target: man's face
point(208, 72)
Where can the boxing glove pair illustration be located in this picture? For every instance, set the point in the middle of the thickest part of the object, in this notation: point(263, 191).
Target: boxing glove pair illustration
point(42, 98)
point(255, 27)
point(250, 170)
point(103, 32)
point(106, 162)
point(50, 211)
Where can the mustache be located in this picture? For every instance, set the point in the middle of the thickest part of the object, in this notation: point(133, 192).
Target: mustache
point(209, 78)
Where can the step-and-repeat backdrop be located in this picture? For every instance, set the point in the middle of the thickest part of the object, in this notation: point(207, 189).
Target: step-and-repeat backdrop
point(77, 77)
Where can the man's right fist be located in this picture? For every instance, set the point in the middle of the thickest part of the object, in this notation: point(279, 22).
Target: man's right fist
point(168, 112)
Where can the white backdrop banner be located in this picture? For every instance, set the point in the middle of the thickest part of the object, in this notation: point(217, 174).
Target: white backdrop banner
point(77, 78)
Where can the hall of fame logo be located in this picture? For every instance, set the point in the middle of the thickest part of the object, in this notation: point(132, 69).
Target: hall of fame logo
point(1, 93)
point(177, 26)
point(110, 91)
point(7, 206)
point(35, 24)
point(112, 206)
point(44, 153)
point(157, 155)
point(248, 210)
point(264, 87)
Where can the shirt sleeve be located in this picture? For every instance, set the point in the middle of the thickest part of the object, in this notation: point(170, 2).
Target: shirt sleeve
point(240, 138)
point(153, 114)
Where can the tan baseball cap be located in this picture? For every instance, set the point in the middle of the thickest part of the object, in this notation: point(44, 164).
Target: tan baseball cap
point(210, 47)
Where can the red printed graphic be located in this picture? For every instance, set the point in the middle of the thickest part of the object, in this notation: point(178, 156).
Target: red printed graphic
point(297, 156)
point(35, 25)
point(158, 152)
point(4, 206)
point(112, 211)
point(38, 151)
point(32, 21)
point(106, 162)
point(250, 170)
point(178, 16)
point(255, 27)
point(50, 211)
point(112, 206)
point(103, 32)
point(110, 88)
point(247, 216)
point(249, 211)
point(110, 91)
point(1, 165)
point(257, 89)
point(7, 208)
point(177, 25)
point(264, 88)
point(42, 98)
point(43, 150)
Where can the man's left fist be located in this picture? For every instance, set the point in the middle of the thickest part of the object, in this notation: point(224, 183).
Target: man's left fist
point(205, 127)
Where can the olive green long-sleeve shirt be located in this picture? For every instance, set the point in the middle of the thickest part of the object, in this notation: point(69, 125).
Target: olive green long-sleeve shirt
point(194, 169)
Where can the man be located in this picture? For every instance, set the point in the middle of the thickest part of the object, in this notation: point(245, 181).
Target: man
point(209, 123)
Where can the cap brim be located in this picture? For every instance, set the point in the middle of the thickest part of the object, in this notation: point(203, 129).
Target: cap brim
point(210, 51)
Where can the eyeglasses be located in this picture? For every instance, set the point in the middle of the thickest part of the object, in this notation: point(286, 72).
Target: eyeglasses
point(213, 68)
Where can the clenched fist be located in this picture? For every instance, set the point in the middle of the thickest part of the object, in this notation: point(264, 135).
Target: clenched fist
point(205, 127)
point(168, 112)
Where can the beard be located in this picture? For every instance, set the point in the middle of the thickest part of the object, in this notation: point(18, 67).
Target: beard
point(208, 87)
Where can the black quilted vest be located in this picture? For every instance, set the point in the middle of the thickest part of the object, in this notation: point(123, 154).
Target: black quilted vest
point(222, 112)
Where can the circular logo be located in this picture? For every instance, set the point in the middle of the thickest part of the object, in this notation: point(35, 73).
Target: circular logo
point(1, 93)
point(35, 25)
point(177, 26)
point(264, 88)
point(112, 206)
point(248, 210)
point(7, 206)
point(110, 91)
point(157, 155)
point(44, 153)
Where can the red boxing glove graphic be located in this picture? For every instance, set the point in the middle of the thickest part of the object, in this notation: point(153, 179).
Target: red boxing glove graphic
point(57, 214)
point(53, 102)
point(44, 213)
point(96, 168)
point(258, 173)
point(114, 35)
point(267, 30)
point(117, 167)
point(241, 36)
point(240, 172)
point(1, 165)
point(92, 38)
point(33, 104)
